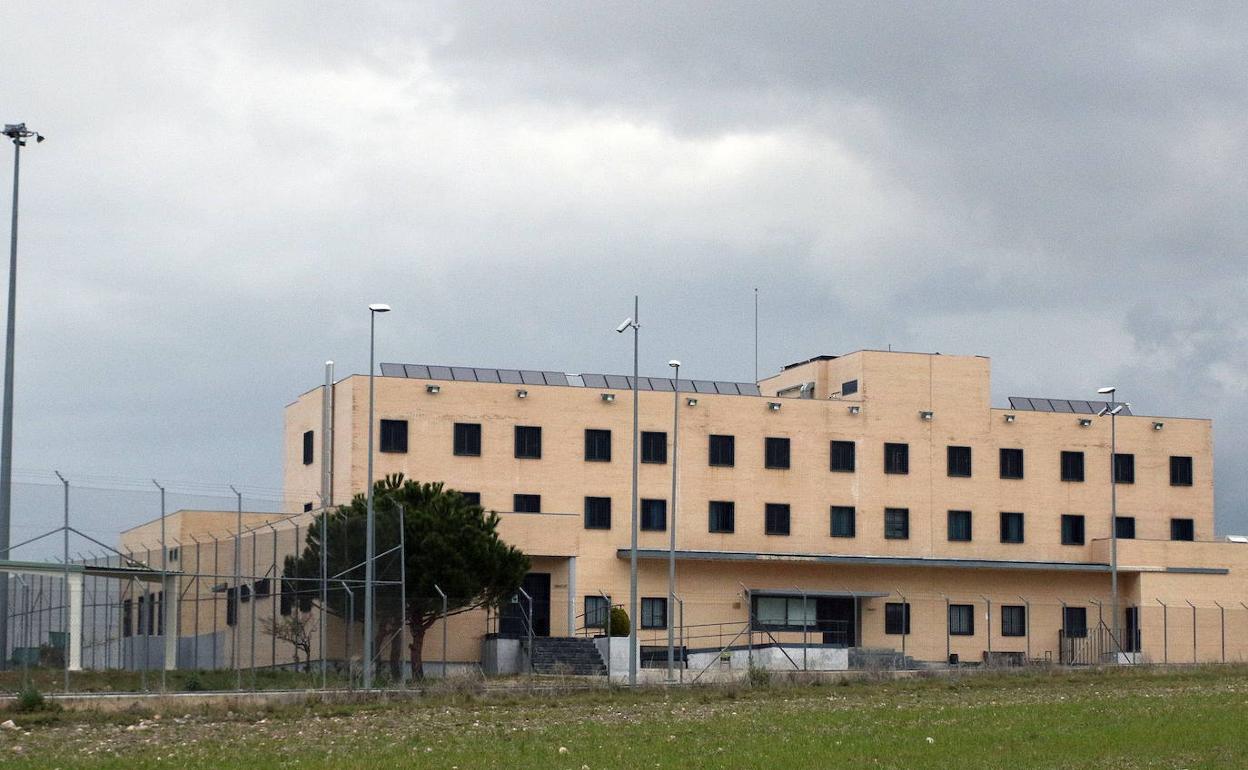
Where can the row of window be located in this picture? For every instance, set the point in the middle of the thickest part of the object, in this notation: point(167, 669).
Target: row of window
point(653, 612)
point(961, 620)
point(721, 453)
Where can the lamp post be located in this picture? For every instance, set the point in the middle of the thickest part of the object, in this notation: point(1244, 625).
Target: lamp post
point(370, 536)
point(18, 133)
point(1112, 409)
point(631, 323)
point(671, 552)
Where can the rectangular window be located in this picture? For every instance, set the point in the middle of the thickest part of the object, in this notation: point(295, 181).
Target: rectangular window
point(467, 442)
point(286, 596)
point(1124, 527)
point(595, 612)
point(1013, 620)
point(528, 442)
point(843, 524)
point(896, 458)
point(849, 388)
point(473, 498)
point(960, 526)
point(526, 503)
point(961, 620)
point(723, 451)
point(776, 518)
point(1075, 622)
point(654, 515)
point(777, 452)
point(1072, 466)
point(958, 461)
point(231, 606)
point(244, 593)
point(897, 523)
point(263, 587)
point(897, 618)
point(127, 617)
point(393, 436)
point(597, 513)
point(1011, 527)
point(1182, 529)
point(842, 456)
point(1124, 468)
point(779, 613)
point(597, 445)
point(309, 441)
point(653, 447)
point(1072, 529)
point(653, 612)
point(722, 516)
point(1011, 463)
point(1180, 471)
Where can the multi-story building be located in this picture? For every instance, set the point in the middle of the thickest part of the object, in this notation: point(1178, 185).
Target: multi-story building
point(875, 500)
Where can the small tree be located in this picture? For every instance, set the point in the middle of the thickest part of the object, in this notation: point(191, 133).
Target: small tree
point(296, 629)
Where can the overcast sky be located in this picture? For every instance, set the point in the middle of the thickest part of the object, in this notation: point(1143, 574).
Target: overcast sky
point(225, 187)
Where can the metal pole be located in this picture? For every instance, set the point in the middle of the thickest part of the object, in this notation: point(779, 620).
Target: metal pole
point(1027, 624)
point(1165, 632)
point(145, 621)
point(274, 586)
point(989, 603)
point(164, 575)
point(197, 582)
point(948, 645)
point(905, 616)
point(404, 672)
point(606, 624)
point(1113, 520)
point(443, 595)
point(327, 496)
point(25, 627)
point(216, 552)
point(18, 133)
point(756, 335)
point(254, 570)
point(238, 590)
point(805, 642)
point(324, 586)
point(684, 659)
point(370, 535)
point(671, 552)
point(1193, 606)
point(65, 547)
point(1222, 611)
point(632, 555)
point(350, 628)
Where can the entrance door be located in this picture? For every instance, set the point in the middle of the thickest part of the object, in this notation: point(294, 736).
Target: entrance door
point(512, 619)
point(834, 616)
point(1131, 642)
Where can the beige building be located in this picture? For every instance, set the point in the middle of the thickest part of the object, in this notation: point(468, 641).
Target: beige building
point(868, 502)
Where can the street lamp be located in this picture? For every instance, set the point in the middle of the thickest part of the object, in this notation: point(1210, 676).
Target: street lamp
point(1112, 408)
point(370, 536)
point(671, 553)
point(631, 323)
point(18, 133)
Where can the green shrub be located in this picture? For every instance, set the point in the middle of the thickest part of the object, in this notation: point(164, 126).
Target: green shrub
point(193, 683)
point(758, 677)
point(30, 699)
point(619, 622)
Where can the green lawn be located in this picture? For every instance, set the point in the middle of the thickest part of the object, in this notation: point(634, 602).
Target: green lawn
point(1118, 719)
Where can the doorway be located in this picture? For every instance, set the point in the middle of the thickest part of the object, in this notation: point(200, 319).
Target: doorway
point(835, 617)
point(511, 620)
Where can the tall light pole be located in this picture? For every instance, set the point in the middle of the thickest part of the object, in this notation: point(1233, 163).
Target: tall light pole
point(370, 537)
point(631, 323)
point(18, 133)
point(1112, 409)
point(671, 551)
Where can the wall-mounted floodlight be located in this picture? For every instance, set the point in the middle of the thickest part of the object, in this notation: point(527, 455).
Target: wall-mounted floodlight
point(627, 322)
point(608, 397)
point(433, 388)
point(1085, 422)
point(926, 415)
point(855, 409)
point(691, 401)
point(1158, 425)
point(522, 394)
point(773, 406)
point(1011, 417)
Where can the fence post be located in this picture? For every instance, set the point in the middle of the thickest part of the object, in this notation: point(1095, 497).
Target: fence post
point(989, 603)
point(684, 654)
point(403, 671)
point(606, 624)
point(1193, 606)
point(438, 588)
point(1165, 632)
point(1026, 625)
point(1222, 613)
point(805, 663)
point(905, 618)
point(948, 645)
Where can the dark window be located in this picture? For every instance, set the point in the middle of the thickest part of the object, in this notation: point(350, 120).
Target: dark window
point(777, 452)
point(776, 518)
point(1072, 529)
point(597, 513)
point(722, 516)
point(843, 521)
point(308, 442)
point(528, 442)
point(723, 451)
point(1124, 468)
point(473, 498)
point(1013, 620)
point(467, 439)
point(1011, 527)
point(394, 436)
point(897, 523)
point(142, 618)
point(654, 515)
point(231, 607)
point(526, 503)
point(244, 593)
point(1072, 466)
point(896, 458)
point(653, 447)
point(1011, 463)
point(896, 618)
point(262, 588)
point(961, 620)
point(307, 507)
point(959, 461)
point(653, 612)
point(1182, 529)
point(960, 526)
point(842, 456)
point(597, 445)
point(1180, 471)
point(849, 388)
point(160, 613)
point(127, 617)
point(286, 596)
point(1124, 527)
point(1075, 622)
point(595, 612)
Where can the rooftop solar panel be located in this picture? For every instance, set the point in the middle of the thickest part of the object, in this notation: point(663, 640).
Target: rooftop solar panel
point(661, 383)
point(440, 373)
point(417, 371)
point(392, 370)
point(1077, 406)
point(704, 386)
point(536, 377)
point(486, 375)
point(617, 381)
point(463, 374)
point(1061, 405)
point(594, 380)
point(530, 377)
point(555, 378)
point(510, 375)
point(750, 389)
point(727, 388)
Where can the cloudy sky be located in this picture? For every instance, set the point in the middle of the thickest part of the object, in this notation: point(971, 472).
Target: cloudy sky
point(1061, 187)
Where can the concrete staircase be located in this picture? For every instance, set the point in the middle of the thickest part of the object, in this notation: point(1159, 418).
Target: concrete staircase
point(567, 655)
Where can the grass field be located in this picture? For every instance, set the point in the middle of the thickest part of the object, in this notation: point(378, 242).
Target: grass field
point(1116, 719)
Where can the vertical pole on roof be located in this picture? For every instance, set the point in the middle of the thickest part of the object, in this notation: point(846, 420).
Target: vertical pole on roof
point(756, 335)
